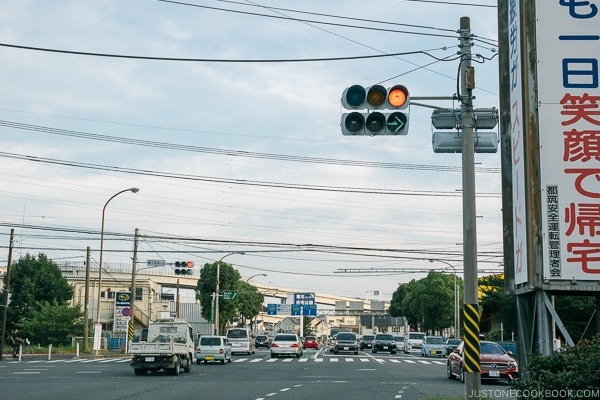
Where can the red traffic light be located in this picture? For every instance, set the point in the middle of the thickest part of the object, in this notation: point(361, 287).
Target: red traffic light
point(397, 96)
point(184, 267)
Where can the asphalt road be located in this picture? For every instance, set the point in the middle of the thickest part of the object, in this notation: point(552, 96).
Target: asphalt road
point(317, 375)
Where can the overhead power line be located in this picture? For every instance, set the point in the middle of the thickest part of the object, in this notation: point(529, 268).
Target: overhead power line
point(230, 181)
point(223, 60)
point(230, 153)
point(308, 21)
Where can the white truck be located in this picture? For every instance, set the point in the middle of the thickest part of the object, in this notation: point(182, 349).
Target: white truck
point(169, 346)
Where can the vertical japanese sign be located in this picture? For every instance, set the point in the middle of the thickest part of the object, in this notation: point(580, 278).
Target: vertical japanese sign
point(568, 43)
point(517, 143)
point(122, 311)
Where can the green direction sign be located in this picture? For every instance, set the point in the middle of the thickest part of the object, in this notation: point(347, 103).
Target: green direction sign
point(396, 122)
point(229, 295)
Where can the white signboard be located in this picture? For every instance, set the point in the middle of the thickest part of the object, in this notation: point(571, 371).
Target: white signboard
point(568, 43)
point(97, 336)
point(517, 144)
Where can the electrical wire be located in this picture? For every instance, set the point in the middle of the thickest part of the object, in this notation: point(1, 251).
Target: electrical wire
point(285, 17)
point(186, 177)
point(208, 150)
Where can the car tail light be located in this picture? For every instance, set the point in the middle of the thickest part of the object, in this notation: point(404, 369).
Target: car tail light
point(294, 345)
point(274, 345)
point(220, 351)
point(198, 351)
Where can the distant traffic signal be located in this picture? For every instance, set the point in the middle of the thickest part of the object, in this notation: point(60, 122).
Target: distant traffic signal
point(184, 268)
point(375, 110)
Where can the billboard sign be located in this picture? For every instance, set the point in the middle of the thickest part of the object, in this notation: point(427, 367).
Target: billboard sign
point(569, 132)
point(519, 206)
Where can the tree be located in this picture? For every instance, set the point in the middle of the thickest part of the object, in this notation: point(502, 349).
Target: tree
point(229, 280)
point(41, 293)
point(395, 309)
point(427, 304)
point(576, 313)
point(501, 307)
point(249, 300)
point(53, 324)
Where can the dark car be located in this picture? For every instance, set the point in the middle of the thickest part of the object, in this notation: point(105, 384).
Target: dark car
point(346, 341)
point(384, 342)
point(262, 341)
point(451, 345)
point(496, 363)
point(367, 342)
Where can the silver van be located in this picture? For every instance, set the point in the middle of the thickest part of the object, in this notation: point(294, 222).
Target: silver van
point(241, 340)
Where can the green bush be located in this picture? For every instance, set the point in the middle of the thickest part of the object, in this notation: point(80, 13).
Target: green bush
point(568, 374)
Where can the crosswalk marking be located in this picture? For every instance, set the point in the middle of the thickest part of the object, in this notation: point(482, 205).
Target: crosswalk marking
point(310, 358)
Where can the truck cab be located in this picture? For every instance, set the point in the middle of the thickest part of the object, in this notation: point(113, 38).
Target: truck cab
point(168, 345)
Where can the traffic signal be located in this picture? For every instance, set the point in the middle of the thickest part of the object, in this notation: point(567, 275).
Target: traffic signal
point(451, 142)
point(184, 268)
point(375, 110)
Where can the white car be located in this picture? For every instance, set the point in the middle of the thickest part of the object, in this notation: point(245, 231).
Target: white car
point(286, 344)
point(212, 349)
point(413, 341)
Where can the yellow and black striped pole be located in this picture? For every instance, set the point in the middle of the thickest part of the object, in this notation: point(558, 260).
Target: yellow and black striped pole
point(130, 330)
point(471, 338)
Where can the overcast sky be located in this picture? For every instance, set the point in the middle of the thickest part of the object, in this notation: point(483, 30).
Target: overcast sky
point(223, 119)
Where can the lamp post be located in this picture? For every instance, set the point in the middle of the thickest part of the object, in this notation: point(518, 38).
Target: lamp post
point(456, 306)
point(134, 190)
point(248, 280)
point(216, 294)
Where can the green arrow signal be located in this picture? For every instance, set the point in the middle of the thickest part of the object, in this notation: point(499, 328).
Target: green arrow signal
point(396, 122)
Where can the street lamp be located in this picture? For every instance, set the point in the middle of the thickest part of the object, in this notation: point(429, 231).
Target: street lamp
point(456, 306)
point(134, 190)
point(248, 280)
point(216, 295)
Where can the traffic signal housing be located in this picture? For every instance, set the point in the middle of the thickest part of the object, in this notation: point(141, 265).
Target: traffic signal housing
point(375, 110)
point(451, 142)
point(184, 268)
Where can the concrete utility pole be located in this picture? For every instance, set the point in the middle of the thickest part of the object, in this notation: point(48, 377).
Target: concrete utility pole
point(472, 367)
point(7, 293)
point(131, 324)
point(86, 301)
